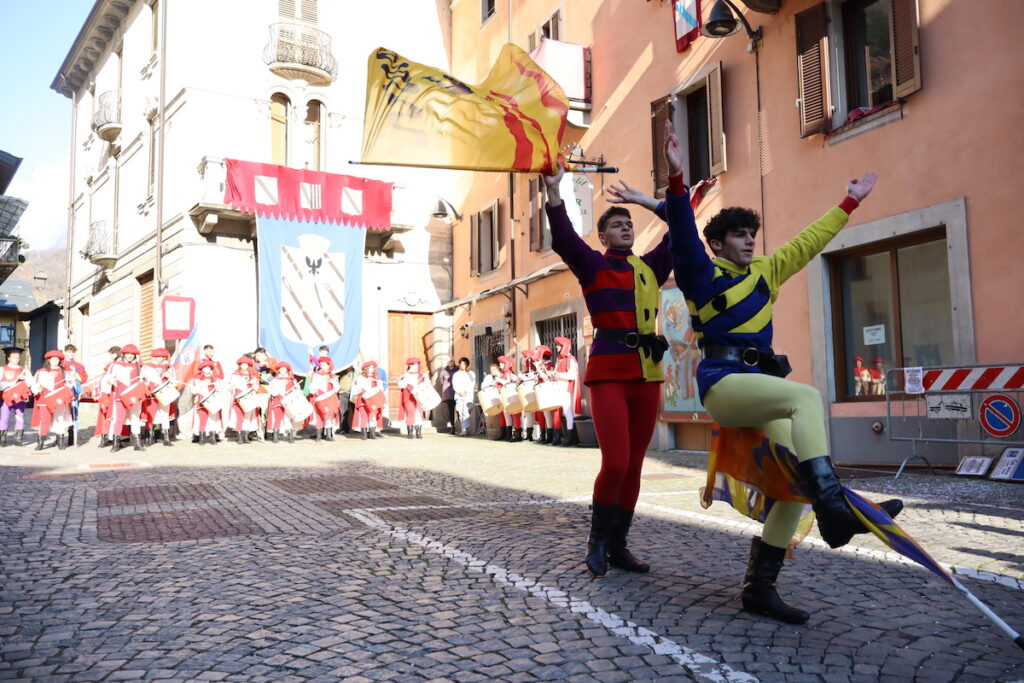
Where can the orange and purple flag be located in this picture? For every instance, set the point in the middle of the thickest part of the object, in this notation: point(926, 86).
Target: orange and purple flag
point(417, 115)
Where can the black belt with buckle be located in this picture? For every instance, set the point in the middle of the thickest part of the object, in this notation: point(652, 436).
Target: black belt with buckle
point(767, 361)
point(654, 344)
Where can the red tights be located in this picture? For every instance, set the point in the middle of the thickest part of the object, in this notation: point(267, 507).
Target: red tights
point(624, 417)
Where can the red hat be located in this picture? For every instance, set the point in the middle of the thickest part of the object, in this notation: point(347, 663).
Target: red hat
point(543, 350)
point(130, 348)
point(860, 358)
point(245, 360)
point(54, 354)
point(504, 361)
point(160, 353)
point(527, 353)
point(369, 364)
point(412, 360)
point(283, 365)
point(205, 364)
point(879, 359)
point(325, 359)
point(562, 342)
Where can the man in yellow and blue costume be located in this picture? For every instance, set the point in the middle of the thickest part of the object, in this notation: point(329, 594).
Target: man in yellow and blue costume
point(741, 380)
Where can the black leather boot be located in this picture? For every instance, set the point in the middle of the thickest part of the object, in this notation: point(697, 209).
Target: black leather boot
point(274, 436)
point(316, 434)
point(528, 434)
point(759, 595)
point(408, 431)
point(362, 433)
point(570, 439)
point(601, 521)
point(241, 437)
point(70, 440)
point(165, 437)
point(517, 435)
point(329, 433)
point(837, 522)
point(545, 436)
point(62, 441)
point(373, 432)
point(147, 436)
point(19, 437)
point(509, 433)
point(556, 437)
point(137, 442)
point(3, 438)
point(104, 441)
point(115, 444)
point(291, 436)
point(39, 443)
point(419, 431)
point(618, 554)
point(501, 435)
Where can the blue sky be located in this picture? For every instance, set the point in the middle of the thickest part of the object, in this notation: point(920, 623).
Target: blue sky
point(35, 122)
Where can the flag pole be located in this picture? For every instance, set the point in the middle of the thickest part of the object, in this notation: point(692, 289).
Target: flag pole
point(1017, 638)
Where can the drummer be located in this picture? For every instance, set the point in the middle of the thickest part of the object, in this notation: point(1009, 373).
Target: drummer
point(104, 393)
point(549, 420)
point(244, 382)
point(11, 375)
point(76, 377)
point(410, 409)
point(278, 421)
point(509, 378)
point(156, 372)
point(568, 372)
point(493, 379)
point(53, 400)
point(323, 392)
point(126, 398)
point(207, 418)
point(368, 396)
point(528, 378)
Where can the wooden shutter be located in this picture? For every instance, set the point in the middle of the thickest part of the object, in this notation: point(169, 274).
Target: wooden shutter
point(286, 9)
point(556, 26)
point(536, 235)
point(145, 316)
point(474, 245)
point(716, 129)
point(906, 49)
point(812, 70)
point(661, 111)
point(308, 11)
point(497, 234)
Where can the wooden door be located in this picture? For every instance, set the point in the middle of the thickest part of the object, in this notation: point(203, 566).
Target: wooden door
point(408, 335)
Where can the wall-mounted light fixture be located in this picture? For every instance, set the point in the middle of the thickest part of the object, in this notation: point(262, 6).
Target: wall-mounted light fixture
point(464, 331)
point(443, 209)
point(723, 22)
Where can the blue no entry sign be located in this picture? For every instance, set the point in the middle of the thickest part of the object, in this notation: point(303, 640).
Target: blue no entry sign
point(999, 415)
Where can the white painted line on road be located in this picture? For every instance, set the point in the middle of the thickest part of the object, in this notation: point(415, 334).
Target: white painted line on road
point(700, 665)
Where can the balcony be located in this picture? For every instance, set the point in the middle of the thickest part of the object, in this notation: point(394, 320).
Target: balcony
point(106, 122)
point(11, 209)
point(298, 50)
point(10, 255)
point(99, 249)
point(210, 214)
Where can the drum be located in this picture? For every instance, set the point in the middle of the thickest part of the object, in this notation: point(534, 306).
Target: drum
point(57, 398)
point(248, 401)
point(426, 396)
point(215, 401)
point(327, 404)
point(490, 400)
point(510, 399)
point(296, 406)
point(528, 395)
point(134, 395)
point(166, 393)
point(18, 393)
point(376, 401)
point(263, 401)
point(550, 395)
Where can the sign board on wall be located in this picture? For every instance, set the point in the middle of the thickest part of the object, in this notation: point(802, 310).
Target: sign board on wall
point(949, 406)
point(179, 316)
point(874, 334)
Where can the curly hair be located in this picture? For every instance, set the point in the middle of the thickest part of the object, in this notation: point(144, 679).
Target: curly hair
point(602, 222)
point(733, 218)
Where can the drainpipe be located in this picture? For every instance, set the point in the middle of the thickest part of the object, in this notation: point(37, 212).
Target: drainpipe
point(158, 266)
point(513, 322)
point(69, 239)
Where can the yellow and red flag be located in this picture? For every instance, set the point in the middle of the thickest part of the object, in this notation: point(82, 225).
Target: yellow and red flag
point(416, 115)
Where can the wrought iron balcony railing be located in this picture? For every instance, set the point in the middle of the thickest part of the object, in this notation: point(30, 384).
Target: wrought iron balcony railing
point(99, 249)
point(106, 121)
point(298, 50)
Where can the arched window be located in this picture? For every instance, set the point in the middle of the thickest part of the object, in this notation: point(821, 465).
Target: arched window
point(313, 133)
point(279, 109)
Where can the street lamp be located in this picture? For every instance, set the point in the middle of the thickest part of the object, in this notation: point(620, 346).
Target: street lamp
point(443, 209)
point(723, 22)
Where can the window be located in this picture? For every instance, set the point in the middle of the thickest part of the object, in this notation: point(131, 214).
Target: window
point(154, 140)
point(696, 109)
point(562, 326)
point(876, 45)
point(313, 127)
point(304, 10)
point(154, 26)
point(552, 27)
point(483, 241)
point(7, 334)
point(540, 236)
point(486, 349)
point(892, 307)
point(279, 111)
point(486, 9)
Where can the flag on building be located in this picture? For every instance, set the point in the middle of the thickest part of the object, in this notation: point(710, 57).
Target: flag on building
point(186, 357)
point(686, 14)
point(416, 115)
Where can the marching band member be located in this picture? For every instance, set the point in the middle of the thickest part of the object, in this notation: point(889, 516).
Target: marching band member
point(265, 367)
point(323, 393)
point(128, 394)
point(218, 374)
point(528, 374)
point(510, 378)
point(14, 385)
point(369, 399)
point(105, 397)
point(278, 420)
point(547, 419)
point(153, 374)
point(244, 381)
point(567, 370)
point(493, 379)
point(53, 400)
point(204, 386)
point(409, 409)
point(77, 377)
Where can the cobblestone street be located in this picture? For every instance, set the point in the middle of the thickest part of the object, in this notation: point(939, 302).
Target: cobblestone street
point(459, 559)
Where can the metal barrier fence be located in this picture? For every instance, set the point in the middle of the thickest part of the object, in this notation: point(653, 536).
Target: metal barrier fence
point(982, 402)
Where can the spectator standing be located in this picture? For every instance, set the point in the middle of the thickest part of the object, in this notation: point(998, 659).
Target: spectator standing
point(463, 388)
point(448, 390)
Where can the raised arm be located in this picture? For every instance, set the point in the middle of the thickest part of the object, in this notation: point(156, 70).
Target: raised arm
point(564, 240)
point(689, 258)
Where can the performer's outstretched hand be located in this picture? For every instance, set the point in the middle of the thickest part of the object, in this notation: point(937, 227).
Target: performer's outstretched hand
point(627, 194)
point(859, 188)
point(551, 184)
point(673, 151)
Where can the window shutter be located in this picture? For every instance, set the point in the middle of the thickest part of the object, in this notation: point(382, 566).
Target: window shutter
point(286, 8)
point(906, 62)
point(474, 245)
point(536, 236)
point(531, 42)
point(661, 111)
point(556, 28)
point(497, 235)
point(716, 129)
point(812, 70)
point(308, 11)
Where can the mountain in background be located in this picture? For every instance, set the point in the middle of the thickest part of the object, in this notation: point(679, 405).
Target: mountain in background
point(45, 269)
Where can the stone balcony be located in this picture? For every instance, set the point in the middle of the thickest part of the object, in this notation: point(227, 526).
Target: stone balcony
point(106, 120)
point(299, 50)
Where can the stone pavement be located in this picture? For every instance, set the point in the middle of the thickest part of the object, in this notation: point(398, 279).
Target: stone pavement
point(459, 559)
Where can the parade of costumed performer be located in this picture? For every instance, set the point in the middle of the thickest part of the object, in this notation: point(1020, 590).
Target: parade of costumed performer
point(278, 421)
point(624, 374)
point(154, 373)
point(547, 420)
point(76, 377)
point(53, 400)
point(369, 399)
point(568, 370)
point(527, 373)
point(512, 423)
point(244, 380)
point(409, 409)
point(207, 419)
point(105, 397)
point(493, 379)
point(127, 396)
point(14, 385)
point(741, 380)
point(323, 392)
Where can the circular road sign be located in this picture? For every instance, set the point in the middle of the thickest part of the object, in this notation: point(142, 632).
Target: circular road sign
point(999, 415)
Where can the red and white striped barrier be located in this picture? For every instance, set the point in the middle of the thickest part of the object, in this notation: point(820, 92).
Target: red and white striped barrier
point(1006, 377)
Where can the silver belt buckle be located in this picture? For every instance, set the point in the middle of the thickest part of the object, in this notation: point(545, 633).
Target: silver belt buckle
point(750, 351)
point(631, 340)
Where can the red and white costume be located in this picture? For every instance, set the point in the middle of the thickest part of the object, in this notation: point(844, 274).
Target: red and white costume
point(323, 393)
point(53, 398)
point(154, 374)
point(529, 376)
point(206, 421)
point(567, 370)
point(409, 409)
point(508, 377)
point(11, 376)
point(283, 382)
point(125, 381)
point(244, 380)
point(104, 399)
point(368, 396)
